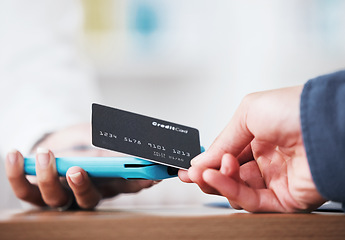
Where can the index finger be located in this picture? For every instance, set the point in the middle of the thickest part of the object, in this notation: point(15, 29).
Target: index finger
point(22, 188)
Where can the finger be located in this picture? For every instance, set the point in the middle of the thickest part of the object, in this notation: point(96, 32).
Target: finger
point(195, 175)
point(248, 173)
point(183, 175)
point(212, 159)
point(86, 194)
point(251, 175)
point(231, 168)
point(22, 188)
point(48, 181)
point(246, 155)
point(253, 200)
point(208, 159)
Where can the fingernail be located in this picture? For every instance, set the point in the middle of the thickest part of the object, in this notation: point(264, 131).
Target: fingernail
point(193, 161)
point(155, 182)
point(207, 174)
point(42, 150)
point(12, 156)
point(43, 157)
point(76, 178)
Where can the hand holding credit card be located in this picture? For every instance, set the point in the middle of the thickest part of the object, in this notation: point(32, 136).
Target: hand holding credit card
point(148, 138)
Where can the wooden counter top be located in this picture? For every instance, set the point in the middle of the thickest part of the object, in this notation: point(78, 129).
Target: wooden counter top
point(170, 222)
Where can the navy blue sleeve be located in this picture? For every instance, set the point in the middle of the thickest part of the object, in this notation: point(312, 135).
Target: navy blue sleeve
point(323, 127)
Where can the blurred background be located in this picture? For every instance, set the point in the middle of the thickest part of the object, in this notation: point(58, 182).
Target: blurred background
point(191, 62)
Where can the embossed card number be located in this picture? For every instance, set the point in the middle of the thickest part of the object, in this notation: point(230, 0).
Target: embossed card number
point(144, 137)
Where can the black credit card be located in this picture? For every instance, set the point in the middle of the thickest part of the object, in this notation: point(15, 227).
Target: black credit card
point(144, 137)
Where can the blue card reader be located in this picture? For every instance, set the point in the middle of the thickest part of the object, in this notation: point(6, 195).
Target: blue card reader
point(116, 167)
